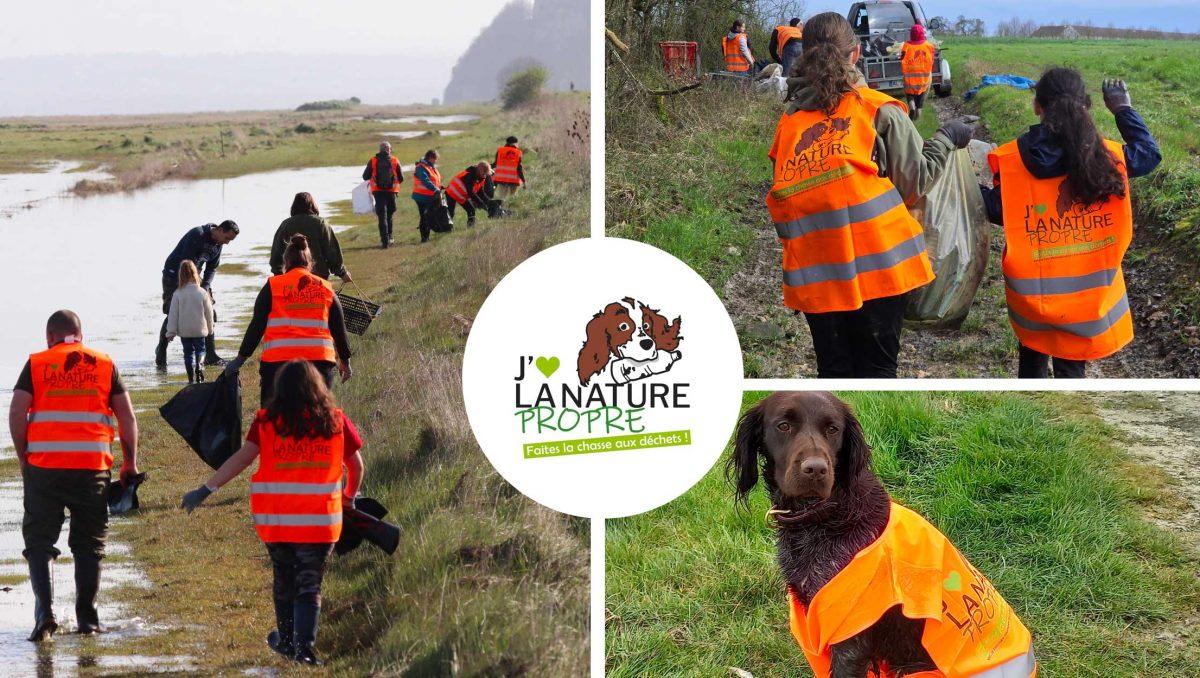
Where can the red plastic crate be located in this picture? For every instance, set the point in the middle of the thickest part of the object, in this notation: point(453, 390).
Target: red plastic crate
point(680, 61)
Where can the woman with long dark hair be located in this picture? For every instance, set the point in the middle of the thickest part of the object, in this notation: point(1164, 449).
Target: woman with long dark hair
point(847, 162)
point(306, 220)
point(296, 316)
point(1061, 191)
point(306, 447)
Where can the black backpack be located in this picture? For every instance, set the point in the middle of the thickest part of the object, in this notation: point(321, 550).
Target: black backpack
point(385, 178)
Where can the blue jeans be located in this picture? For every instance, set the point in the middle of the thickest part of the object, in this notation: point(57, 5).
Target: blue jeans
point(791, 53)
point(193, 354)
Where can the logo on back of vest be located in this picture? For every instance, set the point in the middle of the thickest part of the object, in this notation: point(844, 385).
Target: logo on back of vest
point(291, 453)
point(976, 609)
point(1071, 228)
point(817, 147)
point(77, 376)
point(307, 293)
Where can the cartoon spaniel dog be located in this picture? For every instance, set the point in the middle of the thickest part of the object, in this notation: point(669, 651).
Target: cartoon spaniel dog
point(628, 341)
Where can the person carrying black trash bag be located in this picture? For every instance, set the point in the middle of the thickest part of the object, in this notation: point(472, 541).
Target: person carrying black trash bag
point(427, 188)
point(296, 316)
point(66, 406)
point(306, 447)
point(847, 163)
point(201, 246)
point(471, 189)
point(384, 173)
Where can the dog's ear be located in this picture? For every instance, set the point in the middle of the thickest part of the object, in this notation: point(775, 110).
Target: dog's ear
point(595, 352)
point(855, 456)
point(742, 467)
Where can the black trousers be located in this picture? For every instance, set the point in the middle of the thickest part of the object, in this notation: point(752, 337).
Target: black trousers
point(467, 207)
point(49, 493)
point(266, 374)
point(1033, 364)
point(863, 343)
point(385, 207)
point(916, 102)
point(299, 570)
point(423, 223)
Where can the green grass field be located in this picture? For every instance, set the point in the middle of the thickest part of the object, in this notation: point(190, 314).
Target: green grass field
point(1030, 488)
point(485, 582)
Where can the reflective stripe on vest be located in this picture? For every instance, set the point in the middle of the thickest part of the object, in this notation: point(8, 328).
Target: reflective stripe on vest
point(917, 66)
point(296, 493)
point(507, 160)
point(968, 630)
point(298, 325)
point(1062, 262)
point(435, 178)
point(847, 235)
point(457, 190)
point(735, 61)
point(71, 423)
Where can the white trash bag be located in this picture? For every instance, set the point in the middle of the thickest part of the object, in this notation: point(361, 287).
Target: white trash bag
point(361, 199)
point(957, 236)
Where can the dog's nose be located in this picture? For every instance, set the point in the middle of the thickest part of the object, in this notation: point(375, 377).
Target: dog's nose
point(646, 344)
point(814, 467)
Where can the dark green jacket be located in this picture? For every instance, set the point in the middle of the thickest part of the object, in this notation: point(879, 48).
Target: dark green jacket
point(326, 252)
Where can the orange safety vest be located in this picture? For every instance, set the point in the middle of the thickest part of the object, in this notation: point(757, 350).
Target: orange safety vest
point(296, 493)
point(458, 188)
point(395, 174)
point(847, 236)
point(785, 34)
point(917, 66)
point(735, 61)
point(298, 325)
point(1062, 262)
point(71, 423)
point(507, 160)
point(969, 629)
point(435, 178)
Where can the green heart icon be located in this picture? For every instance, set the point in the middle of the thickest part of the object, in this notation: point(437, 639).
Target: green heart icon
point(548, 366)
point(953, 582)
point(1040, 208)
point(54, 366)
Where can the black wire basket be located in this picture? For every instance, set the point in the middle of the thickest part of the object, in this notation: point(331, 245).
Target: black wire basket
point(358, 312)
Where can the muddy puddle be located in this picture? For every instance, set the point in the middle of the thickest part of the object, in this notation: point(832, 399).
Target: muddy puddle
point(102, 257)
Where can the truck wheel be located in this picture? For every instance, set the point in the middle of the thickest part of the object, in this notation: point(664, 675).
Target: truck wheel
point(943, 91)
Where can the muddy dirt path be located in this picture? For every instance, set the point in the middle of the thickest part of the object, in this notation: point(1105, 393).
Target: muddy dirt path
point(1162, 429)
point(776, 342)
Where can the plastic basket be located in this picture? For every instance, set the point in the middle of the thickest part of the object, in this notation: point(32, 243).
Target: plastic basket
point(679, 60)
point(358, 312)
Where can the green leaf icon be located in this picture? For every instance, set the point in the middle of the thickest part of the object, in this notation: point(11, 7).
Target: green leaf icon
point(548, 366)
point(953, 582)
point(1040, 208)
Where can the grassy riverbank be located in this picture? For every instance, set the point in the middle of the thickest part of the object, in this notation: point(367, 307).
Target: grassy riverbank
point(485, 581)
point(1032, 488)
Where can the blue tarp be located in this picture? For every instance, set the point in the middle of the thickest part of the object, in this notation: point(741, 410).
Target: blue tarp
point(1016, 81)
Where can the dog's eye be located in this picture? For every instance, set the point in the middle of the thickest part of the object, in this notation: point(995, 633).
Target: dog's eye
point(646, 327)
point(832, 429)
point(783, 426)
point(623, 327)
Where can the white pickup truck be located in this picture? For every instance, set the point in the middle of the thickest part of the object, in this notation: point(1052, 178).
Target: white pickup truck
point(879, 24)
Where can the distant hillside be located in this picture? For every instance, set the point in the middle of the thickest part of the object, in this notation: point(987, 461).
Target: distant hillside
point(553, 33)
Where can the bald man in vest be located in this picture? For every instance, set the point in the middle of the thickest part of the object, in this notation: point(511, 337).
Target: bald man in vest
point(66, 406)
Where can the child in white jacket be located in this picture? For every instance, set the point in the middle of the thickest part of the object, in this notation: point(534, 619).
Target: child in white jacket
point(190, 319)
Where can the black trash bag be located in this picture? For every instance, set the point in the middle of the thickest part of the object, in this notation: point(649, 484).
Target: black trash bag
point(365, 522)
point(438, 216)
point(123, 498)
point(209, 417)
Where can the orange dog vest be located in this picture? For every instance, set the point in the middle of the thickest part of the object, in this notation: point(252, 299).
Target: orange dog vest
point(969, 629)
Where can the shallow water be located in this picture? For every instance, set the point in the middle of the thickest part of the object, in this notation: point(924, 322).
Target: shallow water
point(21, 192)
point(429, 119)
point(102, 257)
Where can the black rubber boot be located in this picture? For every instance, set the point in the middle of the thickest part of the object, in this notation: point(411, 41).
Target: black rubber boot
point(160, 352)
point(191, 371)
point(87, 585)
point(280, 639)
point(304, 615)
point(41, 578)
point(211, 358)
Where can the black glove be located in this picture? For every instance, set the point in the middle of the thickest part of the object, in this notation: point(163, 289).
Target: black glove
point(347, 502)
point(958, 132)
point(195, 498)
point(232, 367)
point(1116, 95)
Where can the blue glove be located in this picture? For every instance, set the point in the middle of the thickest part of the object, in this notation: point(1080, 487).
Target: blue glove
point(195, 498)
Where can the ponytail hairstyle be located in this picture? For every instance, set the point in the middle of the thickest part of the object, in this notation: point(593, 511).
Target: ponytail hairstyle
point(188, 274)
point(302, 407)
point(825, 63)
point(297, 254)
point(1092, 172)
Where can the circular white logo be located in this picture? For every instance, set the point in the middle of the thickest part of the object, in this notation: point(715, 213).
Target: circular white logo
point(602, 377)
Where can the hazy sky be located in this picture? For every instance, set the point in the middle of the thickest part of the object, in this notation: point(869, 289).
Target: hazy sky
point(1181, 15)
point(426, 37)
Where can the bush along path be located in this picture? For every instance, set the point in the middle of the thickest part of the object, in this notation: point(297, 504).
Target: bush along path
point(485, 582)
